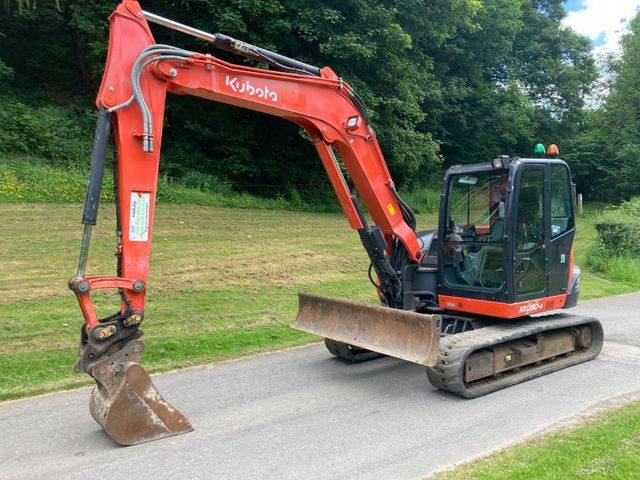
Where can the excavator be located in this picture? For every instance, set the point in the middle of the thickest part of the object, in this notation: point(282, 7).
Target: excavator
point(464, 300)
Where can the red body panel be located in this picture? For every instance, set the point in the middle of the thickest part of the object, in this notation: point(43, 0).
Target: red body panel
point(499, 309)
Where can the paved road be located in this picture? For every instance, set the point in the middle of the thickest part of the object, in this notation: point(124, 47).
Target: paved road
point(300, 414)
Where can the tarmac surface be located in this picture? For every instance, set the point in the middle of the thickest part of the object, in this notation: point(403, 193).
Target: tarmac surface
point(302, 414)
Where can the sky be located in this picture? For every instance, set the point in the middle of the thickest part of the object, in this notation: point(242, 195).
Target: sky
point(603, 21)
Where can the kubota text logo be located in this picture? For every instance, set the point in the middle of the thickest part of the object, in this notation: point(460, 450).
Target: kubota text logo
point(531, 307)
point(246, 87)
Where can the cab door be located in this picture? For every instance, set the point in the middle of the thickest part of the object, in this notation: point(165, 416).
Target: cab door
point(530, 233)
point(561, 230)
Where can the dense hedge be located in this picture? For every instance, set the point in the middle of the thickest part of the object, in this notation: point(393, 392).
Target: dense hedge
point(62, 135)
point(618, 235)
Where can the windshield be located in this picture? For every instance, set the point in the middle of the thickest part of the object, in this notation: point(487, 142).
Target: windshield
point(473, 243)
point(476, 202)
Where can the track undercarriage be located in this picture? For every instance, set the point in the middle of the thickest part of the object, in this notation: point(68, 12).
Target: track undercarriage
point(480, 356)
point(477, 362)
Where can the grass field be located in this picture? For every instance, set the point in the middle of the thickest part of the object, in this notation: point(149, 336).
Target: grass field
point(606, 446)
point(222, 284)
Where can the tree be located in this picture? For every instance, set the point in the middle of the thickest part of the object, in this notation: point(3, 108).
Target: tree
point(453, 80)
point(622, 114)
point(511, 75)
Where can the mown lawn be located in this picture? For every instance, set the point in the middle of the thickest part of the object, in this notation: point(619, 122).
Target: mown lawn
point(222, 284)
point(606, 446)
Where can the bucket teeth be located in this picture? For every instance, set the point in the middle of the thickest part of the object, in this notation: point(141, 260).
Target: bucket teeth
point(127, 405)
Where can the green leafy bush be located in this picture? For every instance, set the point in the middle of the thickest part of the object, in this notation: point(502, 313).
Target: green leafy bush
point(619, 229)
point(619, 235)
point(630, 208)
point(56, 133)
point(598, 259)
point(618, 239)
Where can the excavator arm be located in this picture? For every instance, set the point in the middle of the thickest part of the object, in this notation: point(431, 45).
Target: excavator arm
point(131, 102)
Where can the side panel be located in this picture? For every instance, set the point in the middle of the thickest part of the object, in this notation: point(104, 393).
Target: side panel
point(500, 309)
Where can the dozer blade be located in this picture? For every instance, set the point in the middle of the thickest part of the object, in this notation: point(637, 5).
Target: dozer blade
point(126, 404)
point(411, 336)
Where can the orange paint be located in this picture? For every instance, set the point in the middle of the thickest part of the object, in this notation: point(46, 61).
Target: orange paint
point(500, 309)
point(571, 263)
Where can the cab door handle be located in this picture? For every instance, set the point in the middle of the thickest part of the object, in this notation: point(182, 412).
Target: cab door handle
point(523, 265)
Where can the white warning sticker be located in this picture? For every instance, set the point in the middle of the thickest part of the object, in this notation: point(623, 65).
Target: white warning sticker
point(139, 217)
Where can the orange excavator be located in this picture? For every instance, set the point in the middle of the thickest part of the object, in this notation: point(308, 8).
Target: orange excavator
point(458, 299)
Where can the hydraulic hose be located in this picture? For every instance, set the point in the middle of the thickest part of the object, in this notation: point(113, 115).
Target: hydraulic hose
point(160, 52)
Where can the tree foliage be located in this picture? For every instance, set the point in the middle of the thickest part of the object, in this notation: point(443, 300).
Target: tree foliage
point(605, 152)
point(446, 81)
point(622, 115)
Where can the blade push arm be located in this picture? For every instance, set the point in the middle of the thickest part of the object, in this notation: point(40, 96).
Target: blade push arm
point(137, 76)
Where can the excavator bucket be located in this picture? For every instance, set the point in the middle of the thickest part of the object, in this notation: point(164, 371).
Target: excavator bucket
point(126, 404)
point(411, 336)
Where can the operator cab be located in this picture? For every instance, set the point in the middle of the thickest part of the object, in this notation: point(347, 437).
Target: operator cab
point(506, 230)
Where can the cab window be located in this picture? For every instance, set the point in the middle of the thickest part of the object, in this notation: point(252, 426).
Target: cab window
point(474, 233)
point(530, 252)
point(562, 218)
point(530, 217)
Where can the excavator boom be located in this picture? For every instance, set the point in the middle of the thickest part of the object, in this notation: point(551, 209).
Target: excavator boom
point(131, 102)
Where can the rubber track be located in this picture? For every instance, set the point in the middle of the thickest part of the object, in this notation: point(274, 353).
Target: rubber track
point(448, 374)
